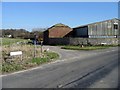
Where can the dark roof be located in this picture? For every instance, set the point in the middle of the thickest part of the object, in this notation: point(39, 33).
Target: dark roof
point(96, 22)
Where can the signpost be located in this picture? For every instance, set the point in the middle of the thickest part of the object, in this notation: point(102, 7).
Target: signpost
point(41, 46)
point(34, 48)
point(35, 42)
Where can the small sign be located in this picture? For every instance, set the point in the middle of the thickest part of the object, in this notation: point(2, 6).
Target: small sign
point(9, 35)
point(103, 43)
point(16, 53)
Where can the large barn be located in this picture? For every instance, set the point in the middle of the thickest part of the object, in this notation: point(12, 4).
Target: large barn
point(56, 31)
point(104, 29)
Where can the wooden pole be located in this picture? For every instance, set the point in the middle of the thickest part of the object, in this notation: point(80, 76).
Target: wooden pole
point(34, 48)
point(41, 47)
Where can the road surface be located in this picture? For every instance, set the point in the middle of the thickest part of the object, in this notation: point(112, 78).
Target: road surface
point(75, 69)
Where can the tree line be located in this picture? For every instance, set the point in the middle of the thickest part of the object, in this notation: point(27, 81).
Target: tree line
point(22, 33)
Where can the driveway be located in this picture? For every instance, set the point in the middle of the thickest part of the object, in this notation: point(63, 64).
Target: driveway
point(69, 54)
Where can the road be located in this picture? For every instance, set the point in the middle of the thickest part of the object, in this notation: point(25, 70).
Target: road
point(74, 69)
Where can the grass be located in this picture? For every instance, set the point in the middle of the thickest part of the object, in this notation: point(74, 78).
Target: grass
point(6, 67)
point(12, 64)
point(39, 61)
point(49, 56)
point(12, 67)
point(52, 55)
point(86, 47)
point(8, 41)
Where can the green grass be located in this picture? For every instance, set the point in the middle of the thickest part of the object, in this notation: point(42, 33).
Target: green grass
point(12, 67)
point(39, 61)
point(86, 47)
point(52, 55)
point(48, 57)
point(6, 67)
point(8, 41)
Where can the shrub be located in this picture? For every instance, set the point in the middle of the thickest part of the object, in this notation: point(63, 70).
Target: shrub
point(39, 60)
point(52, 55)
point(10, 67)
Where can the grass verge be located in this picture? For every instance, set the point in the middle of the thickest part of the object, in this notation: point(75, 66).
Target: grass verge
point(47, 58)
point(12, 67)
point(86, 47)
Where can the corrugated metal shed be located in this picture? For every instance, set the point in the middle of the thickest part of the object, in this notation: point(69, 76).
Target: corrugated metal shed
point(104, 29)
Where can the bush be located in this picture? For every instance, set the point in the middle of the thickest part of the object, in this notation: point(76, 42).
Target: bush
point(39, 60)
point(10, 67)
point(52, 55)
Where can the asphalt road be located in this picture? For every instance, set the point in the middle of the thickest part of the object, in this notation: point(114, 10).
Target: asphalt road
point(75, 69)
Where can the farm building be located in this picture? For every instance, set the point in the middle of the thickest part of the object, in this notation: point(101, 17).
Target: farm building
point(56, 31)
point(104, 29)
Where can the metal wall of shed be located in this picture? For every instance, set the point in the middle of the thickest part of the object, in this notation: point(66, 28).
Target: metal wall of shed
point(103, 29)
point(81, 32)
point(119, 28)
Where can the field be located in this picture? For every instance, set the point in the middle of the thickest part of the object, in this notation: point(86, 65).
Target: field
point(31, 55)
point(10, 41)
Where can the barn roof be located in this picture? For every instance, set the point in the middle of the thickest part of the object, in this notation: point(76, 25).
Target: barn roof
point(59, 25)
point(96, 22)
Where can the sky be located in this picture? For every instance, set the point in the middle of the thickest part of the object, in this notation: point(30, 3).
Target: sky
point(30, 15)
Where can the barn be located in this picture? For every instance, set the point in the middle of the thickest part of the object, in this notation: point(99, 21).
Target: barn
point(104, 29)
point(107, 31)
point(56, 31)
